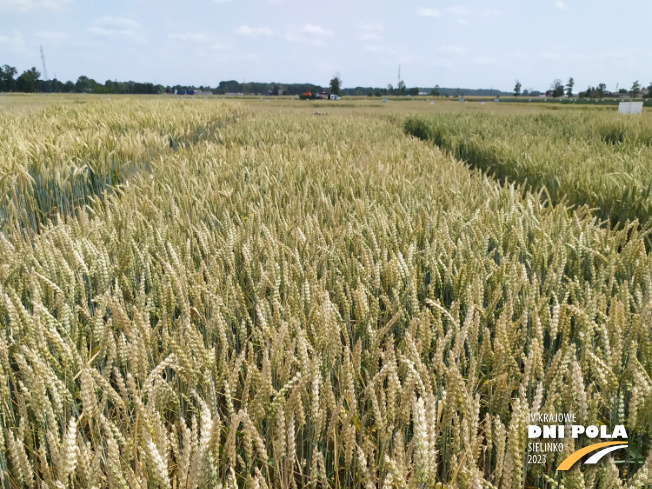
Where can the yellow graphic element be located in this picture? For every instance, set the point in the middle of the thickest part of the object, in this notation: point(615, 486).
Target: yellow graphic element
point(571, 459)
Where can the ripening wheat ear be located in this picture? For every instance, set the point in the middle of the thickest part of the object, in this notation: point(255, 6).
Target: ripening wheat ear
point(422, 456)
point(69, 452)
point(158, 470)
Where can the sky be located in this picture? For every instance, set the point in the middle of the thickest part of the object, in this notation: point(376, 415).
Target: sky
point(467, 44)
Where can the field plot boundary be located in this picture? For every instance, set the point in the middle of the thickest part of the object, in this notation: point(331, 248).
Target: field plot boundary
point(606, 169)
point(87, 150)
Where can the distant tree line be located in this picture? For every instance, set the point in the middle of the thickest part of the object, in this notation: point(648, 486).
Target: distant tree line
point(259, 88)
point(30, 81)
point(557, 89)
point(601, 91)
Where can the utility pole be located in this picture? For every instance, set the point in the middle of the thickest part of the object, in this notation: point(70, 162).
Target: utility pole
point(45, 70)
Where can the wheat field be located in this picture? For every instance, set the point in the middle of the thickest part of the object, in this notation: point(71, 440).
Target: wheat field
point(587, 157)
point(201, 294)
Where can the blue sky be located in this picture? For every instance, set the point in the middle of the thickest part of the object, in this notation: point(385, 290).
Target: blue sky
point(468, 44)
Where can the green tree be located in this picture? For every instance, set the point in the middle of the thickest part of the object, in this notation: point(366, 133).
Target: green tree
point(517, 88)
point(649, 91)
point(28, 80)
point(636, 89)
point(569, 86)
point(230, 86)
point(601, 89)
point(7, 81)
point(557, 88)
point(110, 86)
point(83, 84)
point(336, 84)
point(390, 89)
point(402, 90)
point(435, 92)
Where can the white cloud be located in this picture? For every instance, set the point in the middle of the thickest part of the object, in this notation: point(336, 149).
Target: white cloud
point(315, 30)
point(428, 12)
point(53, 3)
point(483, 60)
point(116, 28)
point(227, 54)
point(464, 13)
point(451, 49)
point(298, 37)
point(245, 30)
point(16, 4)
point(561, 5)
point(309, 33)
point(52, 36)
point(488, 13)
point(13, 42)
point(371, 26)
point(375, 48)
point(370, 31)
point(190, 37)
point(30, 5)
point(441, 63)
point(458, 11)
point(221, 47)
point(550, 56)
point(371, 37)
point(390, 55)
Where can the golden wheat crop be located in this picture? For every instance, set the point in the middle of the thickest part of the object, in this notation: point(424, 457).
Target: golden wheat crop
point(584, 157)
point(275, 300)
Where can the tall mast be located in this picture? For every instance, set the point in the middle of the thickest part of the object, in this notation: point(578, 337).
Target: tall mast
point(45, 70)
